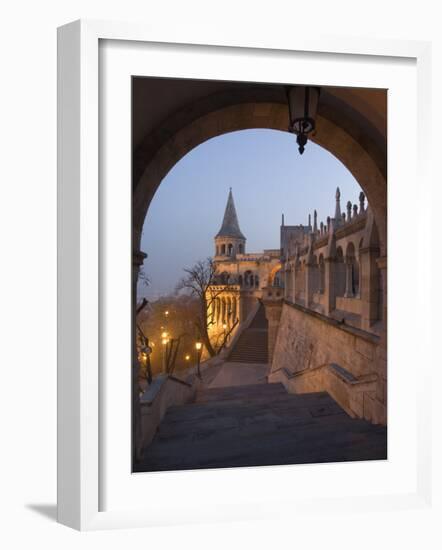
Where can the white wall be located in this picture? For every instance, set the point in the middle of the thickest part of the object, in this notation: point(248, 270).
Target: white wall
point(28, 252)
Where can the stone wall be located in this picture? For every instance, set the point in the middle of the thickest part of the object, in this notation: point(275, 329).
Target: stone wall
point(309, 343)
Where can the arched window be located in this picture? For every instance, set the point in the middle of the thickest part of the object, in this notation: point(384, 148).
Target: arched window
point(230, 249)
point(277, 282)
point(223, 249)
point(352, 272)
point(217, 250)
point(247, 278)
point(240, 281)
point(240, 248)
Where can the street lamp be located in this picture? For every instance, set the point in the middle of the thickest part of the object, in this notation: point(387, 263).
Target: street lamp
point(199, 347)
point(303, 104)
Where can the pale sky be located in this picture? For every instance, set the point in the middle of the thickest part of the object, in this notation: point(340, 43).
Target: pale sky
point(268, 177)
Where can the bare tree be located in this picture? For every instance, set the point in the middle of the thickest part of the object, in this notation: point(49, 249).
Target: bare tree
point(201, 282)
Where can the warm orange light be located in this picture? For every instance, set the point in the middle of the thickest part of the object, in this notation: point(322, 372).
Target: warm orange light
point(187, 357)
point(166, 313)
point(224, 326)
point(198, 345)
point(164, 341)
point(164, 335)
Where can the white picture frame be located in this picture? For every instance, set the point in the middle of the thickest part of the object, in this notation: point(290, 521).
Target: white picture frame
point(79, 265)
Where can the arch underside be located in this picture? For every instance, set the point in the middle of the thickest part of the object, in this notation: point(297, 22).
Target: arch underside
point(361, 148)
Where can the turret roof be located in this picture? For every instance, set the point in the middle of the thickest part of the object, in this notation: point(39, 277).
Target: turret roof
point(230, 225)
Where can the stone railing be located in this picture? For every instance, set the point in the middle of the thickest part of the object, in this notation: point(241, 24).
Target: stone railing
point(349, 391)
point(168, 391)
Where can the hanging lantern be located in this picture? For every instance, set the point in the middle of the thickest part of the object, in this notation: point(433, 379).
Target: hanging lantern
point(303, 104)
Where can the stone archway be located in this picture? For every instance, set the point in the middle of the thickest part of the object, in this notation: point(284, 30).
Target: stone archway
point(343, 139)
point(276, 269)
point(350, 125)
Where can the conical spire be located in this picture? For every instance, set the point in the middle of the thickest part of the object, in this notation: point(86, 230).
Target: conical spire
point(230, 225)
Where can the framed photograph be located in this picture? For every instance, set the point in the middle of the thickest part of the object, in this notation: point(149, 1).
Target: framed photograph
point(232, 343)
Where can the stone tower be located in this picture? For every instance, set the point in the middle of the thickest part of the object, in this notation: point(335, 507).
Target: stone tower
point(229, 241)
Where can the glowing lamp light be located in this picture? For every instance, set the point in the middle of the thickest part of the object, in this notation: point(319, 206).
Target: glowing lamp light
point(187, 358)
point(164, 335)
point(224, 326)
point(198, 346)
point(164, 341)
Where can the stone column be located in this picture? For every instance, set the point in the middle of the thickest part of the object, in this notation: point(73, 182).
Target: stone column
point(138, 258)
point(308, 284)
point(329, 285)
point(348, 278)
point(382, 265)
point(285, 282)
point(294, 282)
point(321, 277)
point(381, 393)
point(241, 306)
point(369, 286)
point(273, 309)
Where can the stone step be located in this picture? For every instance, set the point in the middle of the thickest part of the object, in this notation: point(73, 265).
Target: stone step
point(249, 391)
point(260, 424)
point(251, 346)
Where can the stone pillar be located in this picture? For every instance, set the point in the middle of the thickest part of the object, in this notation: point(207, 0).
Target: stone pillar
point(241, 307)
point(382, 265)
point(138, 258)
point(308, 284)
point(321, 277)
point(288, 286)
point(348, 278)
point(329, 285)
point(369, 286)
point(273, 310)
point(381, 393)
point(285, 282)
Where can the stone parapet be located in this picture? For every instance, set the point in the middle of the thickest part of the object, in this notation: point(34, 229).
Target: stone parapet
point(307, 343)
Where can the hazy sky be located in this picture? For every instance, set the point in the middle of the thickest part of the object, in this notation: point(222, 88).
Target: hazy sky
point(268, 177)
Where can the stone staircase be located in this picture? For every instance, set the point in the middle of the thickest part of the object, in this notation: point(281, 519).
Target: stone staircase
point(251, 346)
point(258, 425)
